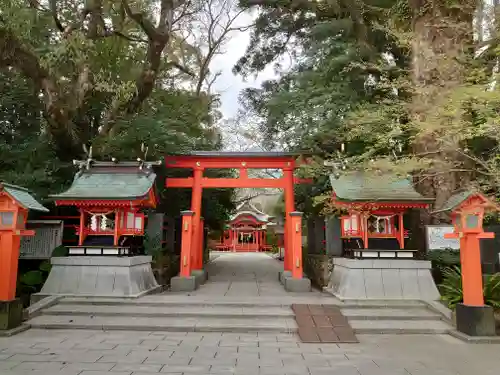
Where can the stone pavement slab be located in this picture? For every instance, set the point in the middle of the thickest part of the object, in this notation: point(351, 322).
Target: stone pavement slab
point(322, 324)
point(245, 354)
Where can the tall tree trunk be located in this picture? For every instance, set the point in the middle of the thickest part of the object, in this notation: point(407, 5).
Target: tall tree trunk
point(443, 35)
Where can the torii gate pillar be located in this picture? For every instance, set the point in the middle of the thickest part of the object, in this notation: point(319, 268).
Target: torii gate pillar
point(201, 161)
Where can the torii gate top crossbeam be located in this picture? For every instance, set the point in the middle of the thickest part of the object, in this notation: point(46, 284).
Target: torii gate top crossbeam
point(236, 160)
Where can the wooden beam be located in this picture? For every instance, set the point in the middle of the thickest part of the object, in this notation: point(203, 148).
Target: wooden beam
point(264, 162)
point(227, 182)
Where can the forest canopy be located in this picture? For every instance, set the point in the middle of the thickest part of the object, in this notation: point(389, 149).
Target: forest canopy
point(107, 76)
point(402, 86)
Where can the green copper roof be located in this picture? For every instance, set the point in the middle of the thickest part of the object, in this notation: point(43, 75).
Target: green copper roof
point(455, 200)
point(363, 187)
point(22, 196)
point(100, 183)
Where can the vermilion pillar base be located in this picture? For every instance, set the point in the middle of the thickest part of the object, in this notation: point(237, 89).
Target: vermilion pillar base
point(475, 320)
point(9, 257)
point(196, 199)
point(200, 245)
point(472, 275)
point(289, 208)
point(296, 244)
point(11, 314)
point(186, 242)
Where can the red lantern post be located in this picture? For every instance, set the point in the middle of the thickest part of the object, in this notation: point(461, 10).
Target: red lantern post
point(467, 211)
point(15, 202)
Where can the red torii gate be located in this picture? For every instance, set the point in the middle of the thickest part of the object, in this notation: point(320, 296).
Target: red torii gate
point(192, 229)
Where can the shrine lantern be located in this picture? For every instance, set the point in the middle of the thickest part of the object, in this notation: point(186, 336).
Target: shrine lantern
point(15, 203)
point(467, 213)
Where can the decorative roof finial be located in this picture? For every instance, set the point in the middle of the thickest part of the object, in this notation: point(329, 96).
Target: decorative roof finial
point(144, 150)
point(89, 155)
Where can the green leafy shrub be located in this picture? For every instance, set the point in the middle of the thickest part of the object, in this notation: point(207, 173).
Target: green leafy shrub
point(452, 291)
point(444, 258)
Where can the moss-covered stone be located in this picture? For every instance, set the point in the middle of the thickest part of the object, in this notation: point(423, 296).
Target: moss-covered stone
point(11, 314)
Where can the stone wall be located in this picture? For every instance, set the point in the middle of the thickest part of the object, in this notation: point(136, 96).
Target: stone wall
point(383, 279)
point(318, 268)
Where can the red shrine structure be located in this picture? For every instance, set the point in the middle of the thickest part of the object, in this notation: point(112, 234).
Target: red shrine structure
point(247, 230)
point(110, 197)
point(375, 206)
point(15, 204)
point(467, 209)
point(192, 229)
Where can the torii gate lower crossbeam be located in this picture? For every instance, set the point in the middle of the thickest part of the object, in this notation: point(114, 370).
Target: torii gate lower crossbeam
point(192, 256)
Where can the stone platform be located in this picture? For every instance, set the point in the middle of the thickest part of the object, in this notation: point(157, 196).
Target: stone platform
point(100, 276)
point(382, 279)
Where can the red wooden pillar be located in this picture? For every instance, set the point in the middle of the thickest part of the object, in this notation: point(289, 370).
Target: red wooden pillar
point(296, 243)
point(401, 232)
point(10, 241)
point(186, 243)
point(364, 218)
point(82, 227)
point(201, 244)
point(233, 240)
point(116, 235)
point(9, 256)
point(471, 271)
point(289, 208)
point(196, 209)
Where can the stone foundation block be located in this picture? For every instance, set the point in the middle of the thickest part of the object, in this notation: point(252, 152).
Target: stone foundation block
point(283, 275)
point(183, 284)
point(297, 285)
point(382, 279)
point(475, 320)
point(201, 277)
point(100, 276)
point(11, 314)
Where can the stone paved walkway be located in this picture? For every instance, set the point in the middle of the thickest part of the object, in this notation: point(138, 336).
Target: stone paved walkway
point(241, 278)
point(248, 274)
point(145, 353)
point(251, 277)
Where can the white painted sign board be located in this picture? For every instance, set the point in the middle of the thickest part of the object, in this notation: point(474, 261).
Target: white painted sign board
point(435, 238)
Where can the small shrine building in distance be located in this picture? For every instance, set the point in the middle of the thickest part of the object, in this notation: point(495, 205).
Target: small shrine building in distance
point(247, 230)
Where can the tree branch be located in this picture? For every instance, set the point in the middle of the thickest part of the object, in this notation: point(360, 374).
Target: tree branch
point(14, 53)
point(141, 19)
point(182, 68)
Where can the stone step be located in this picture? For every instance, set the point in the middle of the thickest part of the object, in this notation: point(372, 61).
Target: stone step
point(172, 324)
point(169, 310)
point(187, 301)
point(390, 313)
point(400, 327)
point(173, 302)
point(361, 313)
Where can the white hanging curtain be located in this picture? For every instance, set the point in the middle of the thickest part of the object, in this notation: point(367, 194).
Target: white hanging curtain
point(387, 219)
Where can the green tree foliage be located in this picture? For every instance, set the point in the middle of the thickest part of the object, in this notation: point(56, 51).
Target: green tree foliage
point(341, 63)
point(96, 63)
point(114, 75)
point(403, 84)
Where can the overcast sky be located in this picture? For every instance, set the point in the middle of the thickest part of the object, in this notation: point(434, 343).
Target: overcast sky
point(229, 85)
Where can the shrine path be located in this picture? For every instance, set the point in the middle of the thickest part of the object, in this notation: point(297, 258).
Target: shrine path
point(248, 275)
point(238, 277)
